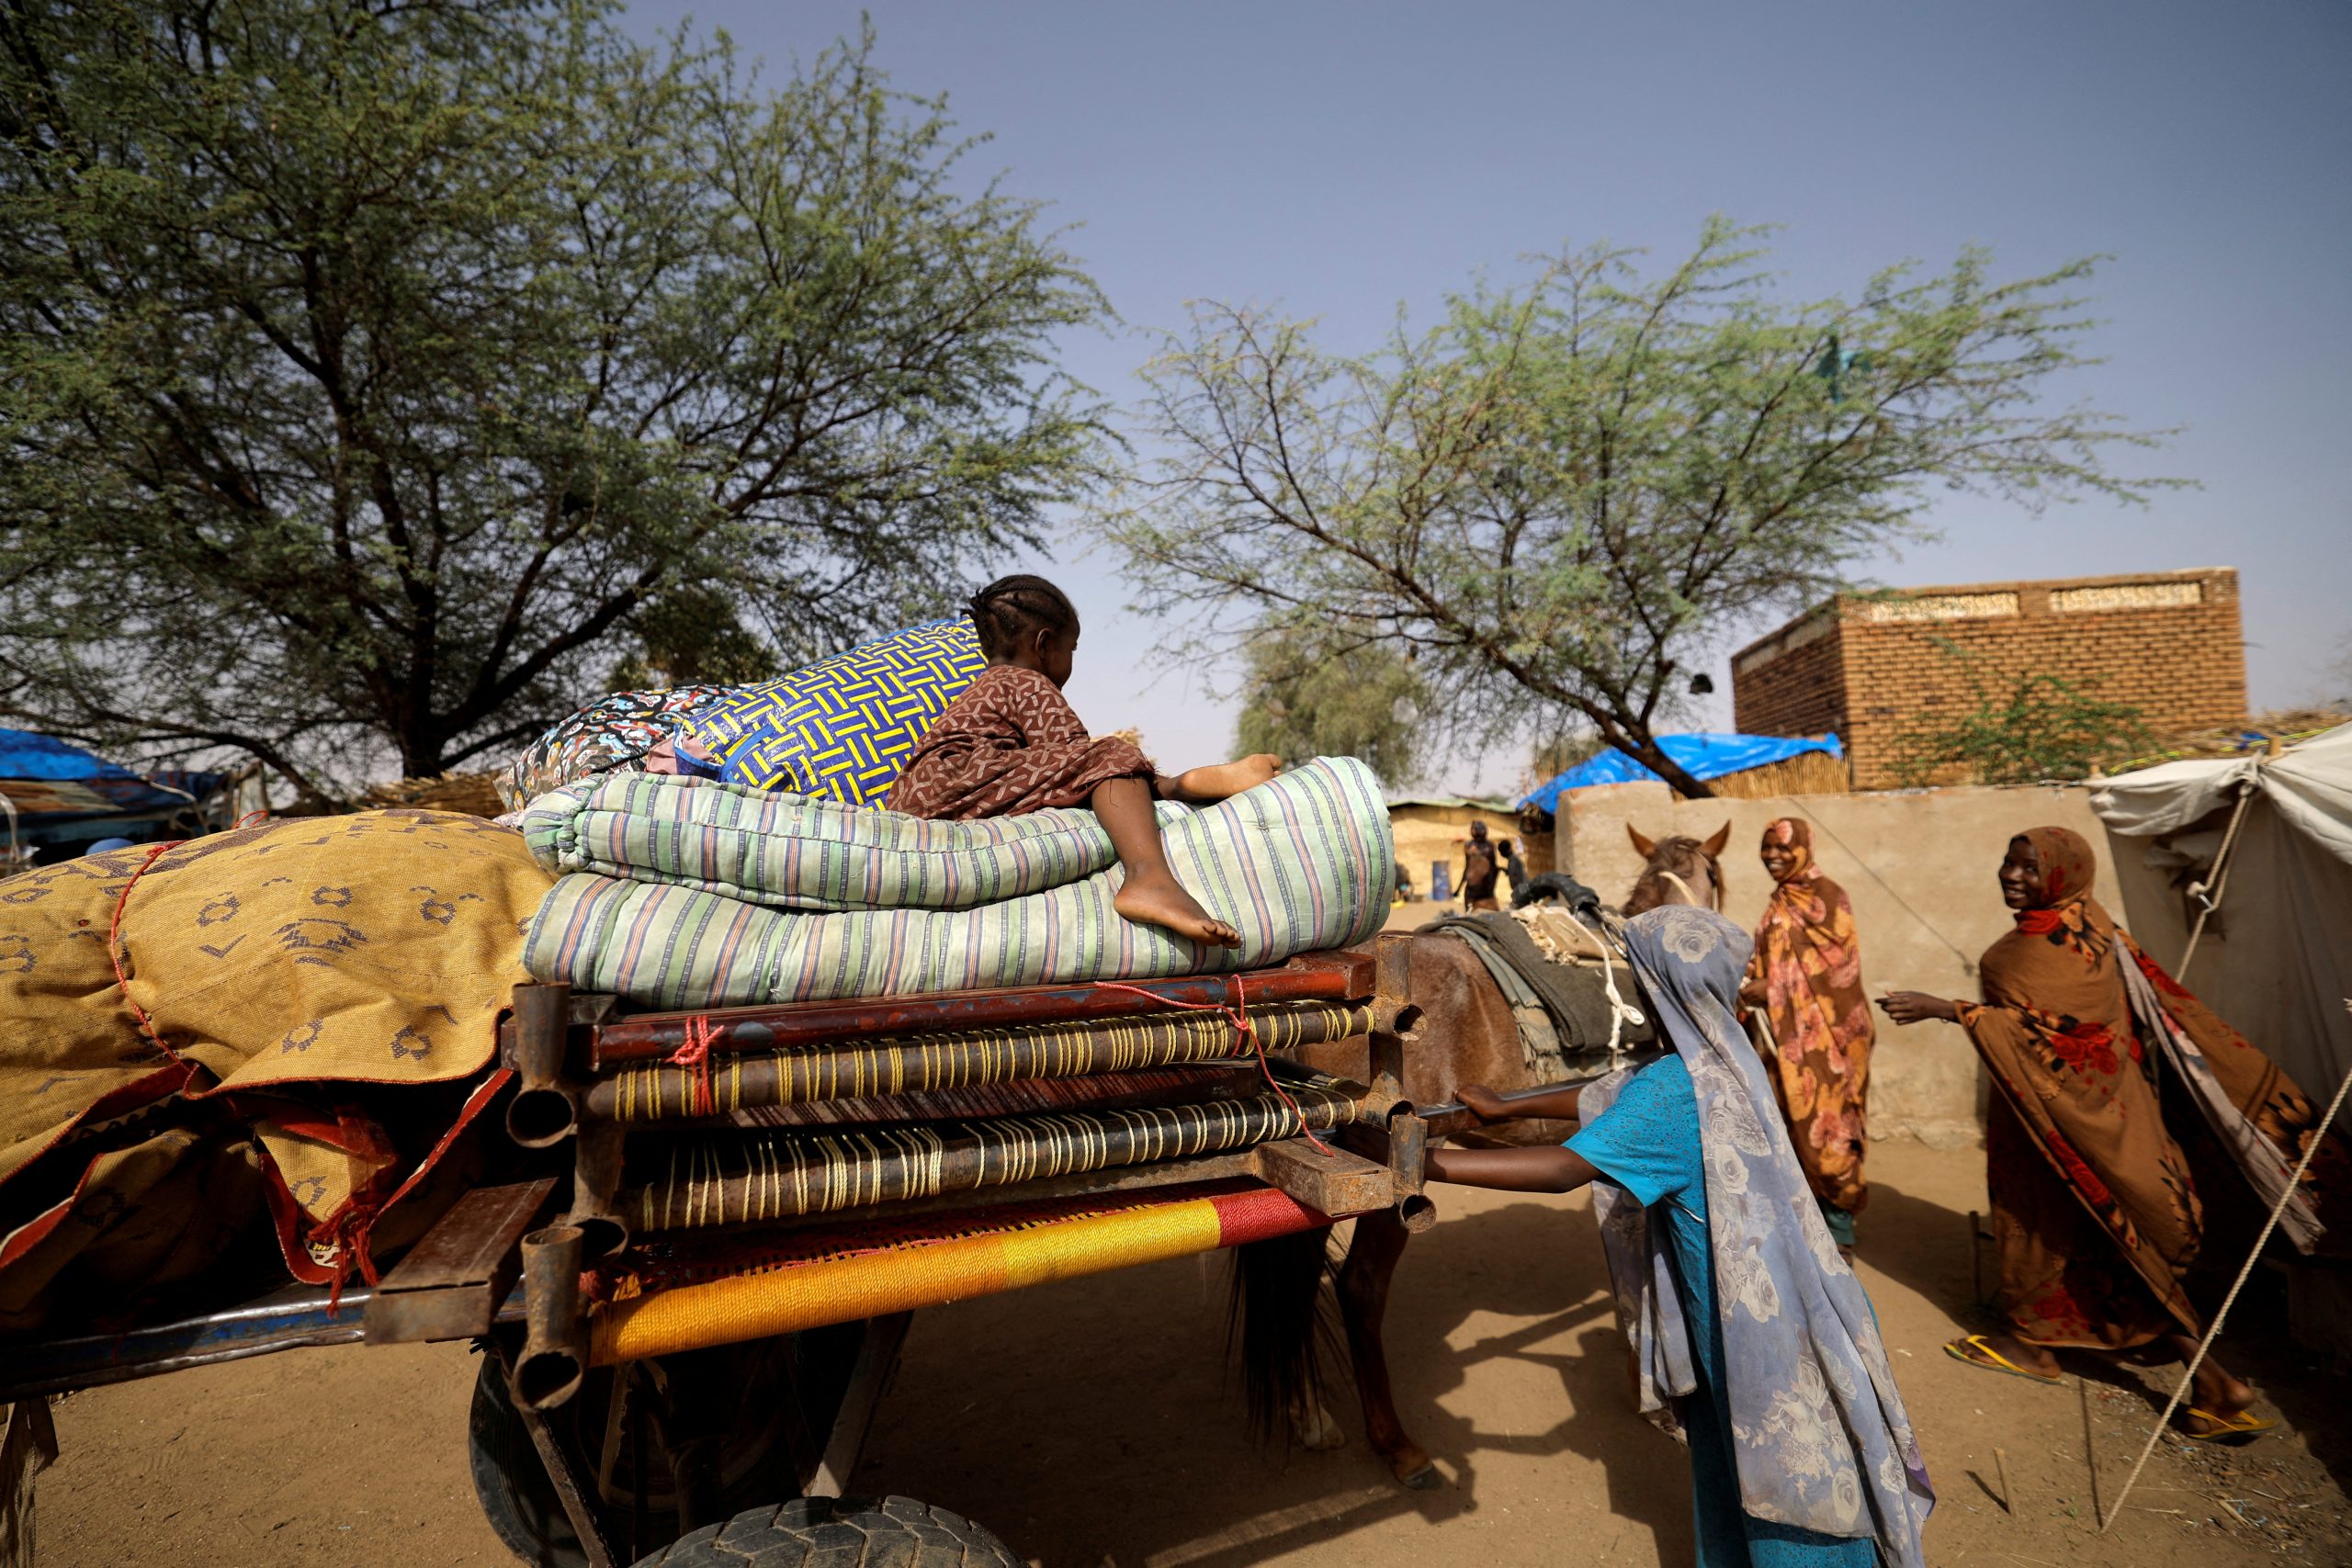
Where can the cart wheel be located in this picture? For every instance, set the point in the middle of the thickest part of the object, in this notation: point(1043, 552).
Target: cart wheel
point(521, 1503)
point(896, 1531)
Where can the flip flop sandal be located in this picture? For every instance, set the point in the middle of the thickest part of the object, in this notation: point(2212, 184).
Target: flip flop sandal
point(2244, 1424)
point(1992, 1360)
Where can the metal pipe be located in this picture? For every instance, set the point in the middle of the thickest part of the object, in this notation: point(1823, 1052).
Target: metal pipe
point(555, 1330)
point(543, 1112)
point(595, 1189)
point(1393, 1013)
point(1409, 1146)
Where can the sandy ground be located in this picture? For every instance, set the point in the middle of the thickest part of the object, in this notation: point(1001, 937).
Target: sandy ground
point(1091, 1423)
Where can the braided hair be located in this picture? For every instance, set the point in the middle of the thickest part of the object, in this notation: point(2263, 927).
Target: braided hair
point(1009, 610)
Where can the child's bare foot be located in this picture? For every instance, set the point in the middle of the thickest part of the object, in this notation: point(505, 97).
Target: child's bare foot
point(1162, 901)
point(1222, 781)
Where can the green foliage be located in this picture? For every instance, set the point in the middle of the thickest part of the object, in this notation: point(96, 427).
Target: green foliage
point(1307, 694)
point(376, 373)
point(690, 636)
point(1564, 493)
point(2030, 728)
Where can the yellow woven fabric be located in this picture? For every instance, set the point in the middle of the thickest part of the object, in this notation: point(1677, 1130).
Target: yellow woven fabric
point(838, 1289)
point(303, 964)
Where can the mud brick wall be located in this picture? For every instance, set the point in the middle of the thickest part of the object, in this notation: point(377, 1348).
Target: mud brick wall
point(2169, 643)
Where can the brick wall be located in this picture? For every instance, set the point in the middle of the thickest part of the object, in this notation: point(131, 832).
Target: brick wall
point(1793, 682)
point(2169, 643)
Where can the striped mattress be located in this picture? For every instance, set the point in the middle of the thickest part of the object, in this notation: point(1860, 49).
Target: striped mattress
point(704, 895)
point(800, 852)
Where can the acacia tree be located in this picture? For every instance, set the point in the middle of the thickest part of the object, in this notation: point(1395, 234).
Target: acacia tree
point(380, 373)
point(1305, 693)
point(1565, 492)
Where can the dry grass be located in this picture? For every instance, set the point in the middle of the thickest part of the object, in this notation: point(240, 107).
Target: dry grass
point(2285, 725)
point(1808, 772)
point(472, 794)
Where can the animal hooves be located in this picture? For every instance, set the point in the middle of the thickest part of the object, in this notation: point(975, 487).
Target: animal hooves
point(1415, 1469)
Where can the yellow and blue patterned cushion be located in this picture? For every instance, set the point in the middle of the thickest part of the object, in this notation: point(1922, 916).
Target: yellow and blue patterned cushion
point(844, 727)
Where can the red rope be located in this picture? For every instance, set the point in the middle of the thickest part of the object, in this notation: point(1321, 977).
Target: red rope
point(695, 1055)
point(114, 951)
point(114, 935)
point(1246, 1030)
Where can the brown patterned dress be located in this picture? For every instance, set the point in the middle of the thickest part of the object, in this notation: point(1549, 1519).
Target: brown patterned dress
point(2098, 1209)
point(1011, 744)
point(1810, 963)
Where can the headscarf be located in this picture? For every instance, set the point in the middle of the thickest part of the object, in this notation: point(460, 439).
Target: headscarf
point(1808, 958)
point(1795, 835)
point(1820, 1437)
point(2069, 867)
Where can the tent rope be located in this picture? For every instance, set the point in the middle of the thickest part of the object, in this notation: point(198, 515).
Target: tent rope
point(2189, 1375)
point(2209, 892)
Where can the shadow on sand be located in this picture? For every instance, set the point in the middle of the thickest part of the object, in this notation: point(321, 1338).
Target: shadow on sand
point(1096, 1421)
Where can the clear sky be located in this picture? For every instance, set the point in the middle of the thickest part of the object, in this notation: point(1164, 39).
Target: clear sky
point(1341, 161)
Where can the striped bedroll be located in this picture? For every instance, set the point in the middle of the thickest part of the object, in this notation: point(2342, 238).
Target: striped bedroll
point(800, 851)
point(1301, 864)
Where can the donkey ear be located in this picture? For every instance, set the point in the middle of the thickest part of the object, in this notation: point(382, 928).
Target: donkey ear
point(1715, 844)
point(1642, 846)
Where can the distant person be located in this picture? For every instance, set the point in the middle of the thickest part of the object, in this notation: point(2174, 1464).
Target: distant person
point(1807, 981)
point(1480, 867)
point(2097, 1211)
point(1514, 868)
point(1404, 883)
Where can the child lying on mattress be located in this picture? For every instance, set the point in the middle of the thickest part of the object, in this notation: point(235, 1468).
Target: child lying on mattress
point(1012, 744)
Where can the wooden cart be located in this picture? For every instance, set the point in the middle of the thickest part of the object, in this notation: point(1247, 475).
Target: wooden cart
point(690, 1312)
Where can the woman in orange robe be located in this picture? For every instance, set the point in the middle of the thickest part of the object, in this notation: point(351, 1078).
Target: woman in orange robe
point(1806, 980)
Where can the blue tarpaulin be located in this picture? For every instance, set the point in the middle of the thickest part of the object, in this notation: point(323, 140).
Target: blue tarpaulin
point(56, 792)
point(27, 755)
point(1701, 756)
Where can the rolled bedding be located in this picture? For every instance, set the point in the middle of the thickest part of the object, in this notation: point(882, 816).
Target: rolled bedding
point(684, 893)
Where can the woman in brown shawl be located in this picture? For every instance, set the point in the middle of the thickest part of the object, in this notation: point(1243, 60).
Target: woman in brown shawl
point(1806, 979)
point(2095, 1210)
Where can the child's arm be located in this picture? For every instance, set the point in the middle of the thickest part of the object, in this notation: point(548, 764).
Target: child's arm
point(1221, 781)
point(1558, 1104)
point(1546, 1169)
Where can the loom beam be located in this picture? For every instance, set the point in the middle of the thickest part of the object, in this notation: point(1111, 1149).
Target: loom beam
point(658, 1093)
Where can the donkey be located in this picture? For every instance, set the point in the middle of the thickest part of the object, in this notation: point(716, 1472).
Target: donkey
point(1678, 870)
point(1467, 1035)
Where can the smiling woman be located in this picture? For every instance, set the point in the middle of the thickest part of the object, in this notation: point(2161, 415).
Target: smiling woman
point(2101, 1185)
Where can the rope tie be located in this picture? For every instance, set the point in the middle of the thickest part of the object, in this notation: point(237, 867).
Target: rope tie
point(1621, 1012)
point(694, 1056)
point(115, 950)
point(1245, 1032)
point(2209, 893)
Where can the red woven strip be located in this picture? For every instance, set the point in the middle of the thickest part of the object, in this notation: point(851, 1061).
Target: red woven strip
point(1261, 1216)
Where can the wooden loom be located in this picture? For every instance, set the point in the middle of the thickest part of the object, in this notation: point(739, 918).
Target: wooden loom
point(754, 1171)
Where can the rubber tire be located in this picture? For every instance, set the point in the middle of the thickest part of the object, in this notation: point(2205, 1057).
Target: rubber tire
point(512, 1485)
point(839, 1532)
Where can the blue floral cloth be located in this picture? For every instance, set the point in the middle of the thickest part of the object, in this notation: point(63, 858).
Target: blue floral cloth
point(1647, 1144)
point(1789, 1374)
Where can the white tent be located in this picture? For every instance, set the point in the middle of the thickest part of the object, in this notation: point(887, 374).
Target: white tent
point(2267, 840)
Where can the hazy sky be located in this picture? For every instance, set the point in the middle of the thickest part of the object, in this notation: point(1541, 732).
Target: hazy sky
point(1343, 159)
